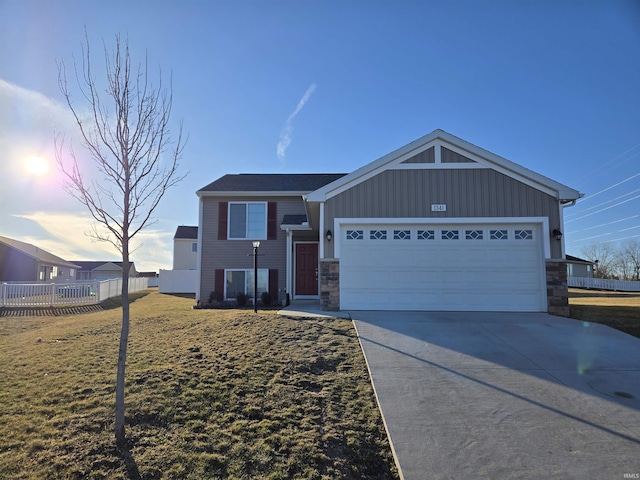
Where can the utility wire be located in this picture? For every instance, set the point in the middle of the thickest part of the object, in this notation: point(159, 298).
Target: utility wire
point(612, 186)
point(603, 203)
point(593, 172)
point(603, 209)
point(603, 224)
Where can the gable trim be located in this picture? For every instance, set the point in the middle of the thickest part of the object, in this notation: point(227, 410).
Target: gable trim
point(440, 138)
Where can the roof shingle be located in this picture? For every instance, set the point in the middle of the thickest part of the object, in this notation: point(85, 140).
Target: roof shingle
point(271, 182)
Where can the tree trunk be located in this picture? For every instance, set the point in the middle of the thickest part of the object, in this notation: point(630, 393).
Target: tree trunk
point(122, 354)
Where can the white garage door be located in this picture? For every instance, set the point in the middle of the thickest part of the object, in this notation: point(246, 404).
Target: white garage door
point(442, 267)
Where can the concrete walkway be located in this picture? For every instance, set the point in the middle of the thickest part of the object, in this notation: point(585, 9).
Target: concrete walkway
point(310, 309)
point(505, 396)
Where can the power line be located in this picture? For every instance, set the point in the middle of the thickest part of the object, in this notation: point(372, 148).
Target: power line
point(603, 209)
point(612, 186)
point(573, 244)
point(588, 174)
point(603, 224)
point(603, 203)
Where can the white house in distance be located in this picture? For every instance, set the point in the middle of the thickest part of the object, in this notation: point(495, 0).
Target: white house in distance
point(99, 271)
point(185, 248)
point(183, 277)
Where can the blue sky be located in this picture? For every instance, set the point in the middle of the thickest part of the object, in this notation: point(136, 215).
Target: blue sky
point(329, 86)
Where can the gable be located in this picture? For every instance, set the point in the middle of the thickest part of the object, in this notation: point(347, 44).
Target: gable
point(402, 193)
point(443, 151)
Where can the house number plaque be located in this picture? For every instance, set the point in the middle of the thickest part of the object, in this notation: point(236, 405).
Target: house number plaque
point(438, 207)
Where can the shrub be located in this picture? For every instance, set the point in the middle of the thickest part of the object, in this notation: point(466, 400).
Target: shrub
point(267, 299)
point(242, 299)
point(215, 297)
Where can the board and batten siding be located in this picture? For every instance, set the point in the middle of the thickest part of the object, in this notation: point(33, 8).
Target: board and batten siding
point(227, 254)
point(467, 193)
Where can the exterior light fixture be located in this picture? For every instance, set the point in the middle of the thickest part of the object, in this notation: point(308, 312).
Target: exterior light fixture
point(557, 234)
point(329, 235)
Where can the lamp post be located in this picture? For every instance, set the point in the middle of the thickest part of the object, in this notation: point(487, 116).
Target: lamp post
point(255, 276)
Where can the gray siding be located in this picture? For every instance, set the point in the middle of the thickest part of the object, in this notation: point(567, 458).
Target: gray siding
point(428, 156)
point(466, 192)
point(16, 266)
point(221, 254)
point(449, 156)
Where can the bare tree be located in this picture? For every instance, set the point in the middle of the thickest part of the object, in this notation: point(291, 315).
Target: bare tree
point(603, 255)
point(630, 257)
point(128, 139)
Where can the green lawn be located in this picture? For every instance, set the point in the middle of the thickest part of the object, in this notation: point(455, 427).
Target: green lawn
point(210, 394)
point(619, 310)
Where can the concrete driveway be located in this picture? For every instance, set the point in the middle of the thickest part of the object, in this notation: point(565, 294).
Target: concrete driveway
point(505, 395)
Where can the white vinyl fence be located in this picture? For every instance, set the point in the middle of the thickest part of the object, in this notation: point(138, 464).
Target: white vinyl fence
point(177, 281)
point(49, 294)
point(604, 284)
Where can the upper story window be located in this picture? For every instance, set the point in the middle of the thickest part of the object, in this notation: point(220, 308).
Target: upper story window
point(248, 220)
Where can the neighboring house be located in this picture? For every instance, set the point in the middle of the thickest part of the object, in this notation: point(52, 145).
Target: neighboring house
point(439, 224)
point(98, 271)
point(577, 267)
point(152, 276)
point(23, 262)
point(185, 248)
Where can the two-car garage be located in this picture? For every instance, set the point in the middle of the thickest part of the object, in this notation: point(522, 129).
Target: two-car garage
point(442, 266)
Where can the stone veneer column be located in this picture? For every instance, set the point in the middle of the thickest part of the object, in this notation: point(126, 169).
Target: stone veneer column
point(330, 284)
point(557, 290)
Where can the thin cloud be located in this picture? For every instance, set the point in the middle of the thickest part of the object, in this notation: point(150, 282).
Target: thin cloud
point(287, 131)
point(68, 238)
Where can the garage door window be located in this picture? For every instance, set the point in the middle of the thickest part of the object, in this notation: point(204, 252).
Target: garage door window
point(498, 234)
point(450, 235)
point(377, 235)
point(402, 234)
point(524, 234)
point(355, 234)
point(474, 234)
point(426, 234)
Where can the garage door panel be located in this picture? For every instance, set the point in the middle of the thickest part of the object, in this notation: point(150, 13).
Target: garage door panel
point(440, 274)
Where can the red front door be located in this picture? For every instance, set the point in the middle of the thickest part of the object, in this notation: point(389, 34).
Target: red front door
point(306, 269)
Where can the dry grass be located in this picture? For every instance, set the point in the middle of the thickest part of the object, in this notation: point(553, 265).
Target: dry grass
point(619, 310)
point(210, 394)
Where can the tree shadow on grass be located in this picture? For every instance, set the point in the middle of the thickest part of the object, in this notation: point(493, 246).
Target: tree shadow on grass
point(131, 467)
point(116, 302)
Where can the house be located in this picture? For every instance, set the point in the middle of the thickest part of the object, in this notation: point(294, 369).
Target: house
point(183, 277)
point(185, 248)
point(23, 262)
point(577, 267)
point(439, 224)
point(105, 270)
point(151, 276)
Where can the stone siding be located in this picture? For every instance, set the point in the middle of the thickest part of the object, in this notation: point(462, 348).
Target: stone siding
point(330, 284)
point(557, 290)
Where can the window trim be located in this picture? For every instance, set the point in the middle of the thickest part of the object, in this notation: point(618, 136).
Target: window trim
point(246, 237)
point(246, 271)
